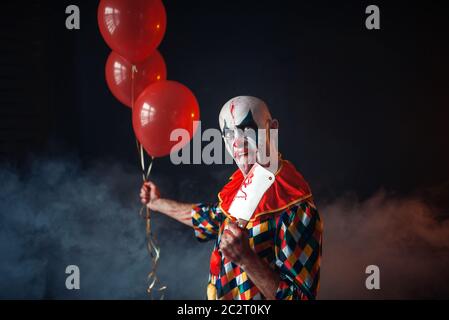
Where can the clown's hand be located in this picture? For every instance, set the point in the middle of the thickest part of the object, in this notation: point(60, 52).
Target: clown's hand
point(234, 244)
point(149, 194)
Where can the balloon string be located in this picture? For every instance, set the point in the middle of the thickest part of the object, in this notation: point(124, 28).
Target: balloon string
point(152, 247)
point(133, 71)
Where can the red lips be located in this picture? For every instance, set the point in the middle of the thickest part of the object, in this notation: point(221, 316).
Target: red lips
point(240, 154)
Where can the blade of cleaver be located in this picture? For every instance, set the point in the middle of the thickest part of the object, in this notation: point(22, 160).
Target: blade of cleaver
point(251, 191)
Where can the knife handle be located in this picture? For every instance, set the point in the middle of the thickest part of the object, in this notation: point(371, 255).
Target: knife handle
point(242, 223)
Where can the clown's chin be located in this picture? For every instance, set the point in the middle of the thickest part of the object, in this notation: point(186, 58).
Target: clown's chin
point(245, 163)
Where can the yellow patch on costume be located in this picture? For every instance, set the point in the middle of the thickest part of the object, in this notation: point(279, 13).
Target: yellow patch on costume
point(211, 292)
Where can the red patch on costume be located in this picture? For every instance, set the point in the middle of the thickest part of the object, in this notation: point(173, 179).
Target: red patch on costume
point(215, 263)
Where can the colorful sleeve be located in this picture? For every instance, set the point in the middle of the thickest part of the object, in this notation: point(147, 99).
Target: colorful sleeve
point(298, 252)
point(206, 221)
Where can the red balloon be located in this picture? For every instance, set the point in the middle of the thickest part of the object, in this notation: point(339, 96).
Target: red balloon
point(119, 75)
point(161, 108)
point(132, 28)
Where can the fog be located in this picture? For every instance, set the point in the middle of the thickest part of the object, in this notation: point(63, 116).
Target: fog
point(60, 213)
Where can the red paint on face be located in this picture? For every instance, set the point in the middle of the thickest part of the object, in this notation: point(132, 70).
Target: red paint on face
point(232, 111)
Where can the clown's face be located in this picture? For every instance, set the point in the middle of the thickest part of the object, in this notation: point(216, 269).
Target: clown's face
point(240, 119)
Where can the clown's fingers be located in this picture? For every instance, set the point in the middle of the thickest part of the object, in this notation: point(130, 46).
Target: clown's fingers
point(228, 233)
point(235, 229)
point(154, 190)
point(223, 244)
point(226, 253)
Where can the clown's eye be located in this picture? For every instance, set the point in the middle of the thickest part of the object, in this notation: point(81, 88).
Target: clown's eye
point(249, 131)
point(228, 134)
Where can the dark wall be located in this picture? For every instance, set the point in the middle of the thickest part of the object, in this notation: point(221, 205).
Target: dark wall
point(359, 109)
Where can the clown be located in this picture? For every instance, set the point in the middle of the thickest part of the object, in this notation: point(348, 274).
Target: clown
point(277, 254)
point(249, 133)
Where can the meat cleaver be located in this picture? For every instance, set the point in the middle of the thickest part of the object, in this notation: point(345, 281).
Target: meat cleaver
point(251, 191)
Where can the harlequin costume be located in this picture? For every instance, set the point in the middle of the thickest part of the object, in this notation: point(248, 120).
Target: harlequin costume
point(285, 231)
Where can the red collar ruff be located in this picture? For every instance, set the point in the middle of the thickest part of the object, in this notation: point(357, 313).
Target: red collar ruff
point(288, 189)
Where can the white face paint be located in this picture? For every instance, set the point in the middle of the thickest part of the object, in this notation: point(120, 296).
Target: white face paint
point(240, 118)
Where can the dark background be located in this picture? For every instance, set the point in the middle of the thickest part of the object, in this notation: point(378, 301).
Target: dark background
point(359, 110)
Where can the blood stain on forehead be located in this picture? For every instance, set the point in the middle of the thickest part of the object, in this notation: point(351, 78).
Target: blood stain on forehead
point(233, 111)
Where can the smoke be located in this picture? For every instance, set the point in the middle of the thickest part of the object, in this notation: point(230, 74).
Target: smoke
point(402, 236)
point(61, 213)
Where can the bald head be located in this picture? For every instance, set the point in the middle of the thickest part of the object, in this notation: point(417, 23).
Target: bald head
point(245, 123)
point(243, 110)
